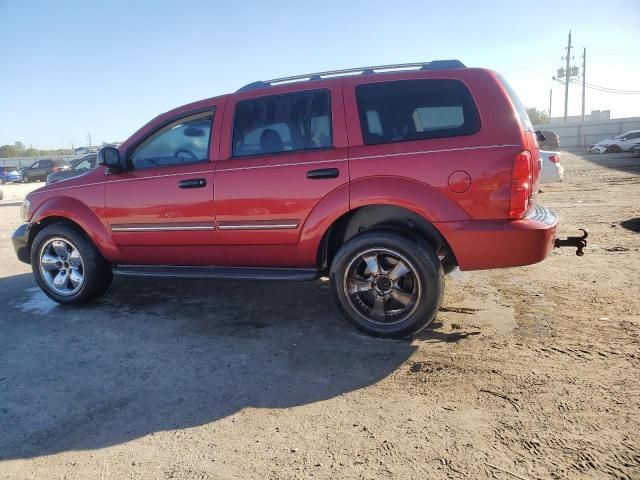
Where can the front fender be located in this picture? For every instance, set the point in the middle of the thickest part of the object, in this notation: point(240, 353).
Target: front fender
point(81, 214)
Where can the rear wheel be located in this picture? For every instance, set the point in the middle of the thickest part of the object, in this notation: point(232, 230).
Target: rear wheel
point(67, 266)
point(386, 284)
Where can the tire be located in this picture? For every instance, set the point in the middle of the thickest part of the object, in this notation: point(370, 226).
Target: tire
point(86, 275)
point(614, 149)
point(390, 303)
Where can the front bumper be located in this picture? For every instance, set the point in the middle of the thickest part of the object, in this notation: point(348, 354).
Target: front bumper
point(20, 240)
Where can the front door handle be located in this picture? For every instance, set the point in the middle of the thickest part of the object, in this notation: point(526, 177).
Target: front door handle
point(192, 183)
point(323, 173)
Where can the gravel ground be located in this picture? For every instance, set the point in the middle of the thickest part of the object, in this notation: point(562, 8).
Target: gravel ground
point(527, 373)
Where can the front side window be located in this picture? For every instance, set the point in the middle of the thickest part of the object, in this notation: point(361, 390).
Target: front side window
point(415, 110)
point(282, 123)
point(183, 141)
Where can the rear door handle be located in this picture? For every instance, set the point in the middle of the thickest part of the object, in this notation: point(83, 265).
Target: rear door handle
point(323, 173)
point(193, 183)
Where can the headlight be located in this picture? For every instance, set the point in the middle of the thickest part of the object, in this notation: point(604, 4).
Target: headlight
point(24, 210)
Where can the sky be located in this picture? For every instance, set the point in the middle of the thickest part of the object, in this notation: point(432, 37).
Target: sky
point(71, 68)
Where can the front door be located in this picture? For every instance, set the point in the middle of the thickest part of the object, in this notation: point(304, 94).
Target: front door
point(281, 155)
point(160, 209)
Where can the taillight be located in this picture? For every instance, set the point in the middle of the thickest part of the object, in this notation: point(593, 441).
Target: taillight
point(521, 184)
point(56, 169)
point(554, 158)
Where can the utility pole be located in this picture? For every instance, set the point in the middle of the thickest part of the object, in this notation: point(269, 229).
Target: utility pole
point(550, 101)
point(566, 83)
point(584, 78)
point(89, 138)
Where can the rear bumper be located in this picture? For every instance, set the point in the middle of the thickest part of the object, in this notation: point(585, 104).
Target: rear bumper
point(20, 240)
point(552, 174)
point(485, 244)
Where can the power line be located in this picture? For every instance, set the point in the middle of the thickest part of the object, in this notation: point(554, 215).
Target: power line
point(607, 90)
point(621, 90)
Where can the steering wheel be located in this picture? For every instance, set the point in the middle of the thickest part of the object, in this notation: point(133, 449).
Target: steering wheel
point(189, 153)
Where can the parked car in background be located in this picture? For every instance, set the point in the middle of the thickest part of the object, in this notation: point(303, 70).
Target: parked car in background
point(551, 171)
point(38, 171)
point(383, 179)
point(9, 174)
point(551, 140)
point(78, 167)
point(621, 143)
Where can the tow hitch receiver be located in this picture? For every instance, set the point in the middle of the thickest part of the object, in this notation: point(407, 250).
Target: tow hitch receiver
point(578, 242)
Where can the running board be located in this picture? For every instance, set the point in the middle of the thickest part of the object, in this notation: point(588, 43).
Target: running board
point(234, 273)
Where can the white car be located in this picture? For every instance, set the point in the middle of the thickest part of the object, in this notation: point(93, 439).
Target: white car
point(551, 170)
point(622, 143)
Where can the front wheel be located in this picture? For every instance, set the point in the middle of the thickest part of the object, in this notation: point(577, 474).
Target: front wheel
point(386, 284)
point(614, 149)
point(67, 266)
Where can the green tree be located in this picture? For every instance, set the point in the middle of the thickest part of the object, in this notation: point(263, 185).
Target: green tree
point(7, 151)
point(537, 117)
point(19, 146)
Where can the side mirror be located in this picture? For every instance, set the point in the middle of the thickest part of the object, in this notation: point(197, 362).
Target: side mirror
point(540, 136)
point(110, 158)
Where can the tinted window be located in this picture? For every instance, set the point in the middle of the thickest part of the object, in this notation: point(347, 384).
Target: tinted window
point(183, 141)
point(283, 123)
point(415, 110)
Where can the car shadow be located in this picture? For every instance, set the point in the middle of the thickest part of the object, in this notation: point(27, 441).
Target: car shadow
point(156, 355)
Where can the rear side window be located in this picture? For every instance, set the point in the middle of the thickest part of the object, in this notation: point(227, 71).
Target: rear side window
point(415, 110)
point(523, 116)
point(282, 123)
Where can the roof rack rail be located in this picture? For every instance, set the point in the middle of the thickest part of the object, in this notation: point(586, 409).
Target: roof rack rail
point(433, 65)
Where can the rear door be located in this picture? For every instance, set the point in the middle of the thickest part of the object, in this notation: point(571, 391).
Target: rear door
point(283, 152)
point(160, 210)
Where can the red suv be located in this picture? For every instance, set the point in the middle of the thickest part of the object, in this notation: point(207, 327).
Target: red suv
point(384, 178)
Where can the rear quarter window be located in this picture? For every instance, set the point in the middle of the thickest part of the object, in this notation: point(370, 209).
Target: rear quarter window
point(521, 111)
point(416, 110)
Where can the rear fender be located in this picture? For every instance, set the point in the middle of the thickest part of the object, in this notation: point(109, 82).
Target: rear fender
point(426, 201)
point(327, 211)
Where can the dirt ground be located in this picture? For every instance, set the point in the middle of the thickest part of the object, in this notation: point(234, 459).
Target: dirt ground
point(527, 373)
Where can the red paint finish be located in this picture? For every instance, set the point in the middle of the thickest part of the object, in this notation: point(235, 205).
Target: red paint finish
point(274, 188)
point(264, 211)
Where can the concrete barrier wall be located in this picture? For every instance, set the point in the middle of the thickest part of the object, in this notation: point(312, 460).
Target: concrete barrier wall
point(583, 134)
